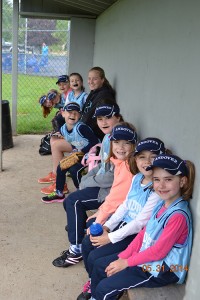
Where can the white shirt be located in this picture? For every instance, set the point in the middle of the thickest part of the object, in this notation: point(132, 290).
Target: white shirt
point(135, 225)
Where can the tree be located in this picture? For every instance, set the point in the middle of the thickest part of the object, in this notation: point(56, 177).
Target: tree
point(61, 35)
point(41, 30)
point(7, 10)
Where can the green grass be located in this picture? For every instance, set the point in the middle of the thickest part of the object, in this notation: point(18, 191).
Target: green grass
point(29, 113)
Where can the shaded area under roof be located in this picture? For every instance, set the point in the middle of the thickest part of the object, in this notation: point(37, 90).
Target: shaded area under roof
point(66, 8)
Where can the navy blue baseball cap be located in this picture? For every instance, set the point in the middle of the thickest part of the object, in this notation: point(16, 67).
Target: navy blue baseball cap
point(63, 78)
point(106, 110)
point(171, 163)
point(72, 106)
point(122, 132)
point(51, 95)
point(42, 99)
point(150, 144)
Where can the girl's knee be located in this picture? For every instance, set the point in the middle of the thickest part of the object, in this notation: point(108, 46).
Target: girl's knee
point(70, 201)
point(98, 263)
point(86, 242)
point(64, 204)
point(102, 291)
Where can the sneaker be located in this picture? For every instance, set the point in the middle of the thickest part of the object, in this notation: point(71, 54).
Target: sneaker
point(52, 188)
point(53, 197)
point(48, 190)
point(84, 296)
point(87, 286)
point(67, 259)
point(86, 293)
point(51, 177)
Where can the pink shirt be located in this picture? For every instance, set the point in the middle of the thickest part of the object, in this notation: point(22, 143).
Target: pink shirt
point(118, 192)
point(175, 232)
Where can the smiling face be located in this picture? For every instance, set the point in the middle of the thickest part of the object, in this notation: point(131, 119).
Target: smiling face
point(167, 186)
point(63, 87)
point(76, 83)
point(71, 118)
point(48, 103)
point(143, 160)
point(121, 149)
point(106, 124)
point(94, 80)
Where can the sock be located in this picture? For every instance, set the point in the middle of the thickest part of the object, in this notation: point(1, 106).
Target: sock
point(59, 193)
point(76, 249)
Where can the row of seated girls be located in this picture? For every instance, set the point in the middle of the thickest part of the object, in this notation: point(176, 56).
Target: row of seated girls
point(140, 192)
point(71, 89)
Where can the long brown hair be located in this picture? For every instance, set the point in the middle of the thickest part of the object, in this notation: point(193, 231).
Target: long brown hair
point(46, 110)
point(187, 189)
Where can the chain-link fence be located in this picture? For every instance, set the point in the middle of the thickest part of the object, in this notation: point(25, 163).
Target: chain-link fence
point(42, 56)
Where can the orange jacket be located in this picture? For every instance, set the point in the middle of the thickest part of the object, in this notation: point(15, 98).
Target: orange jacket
point(118, 192)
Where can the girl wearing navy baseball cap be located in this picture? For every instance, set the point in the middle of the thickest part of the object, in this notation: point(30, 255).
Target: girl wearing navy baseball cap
point(110, 180)
point(160, 253)
point(49, 101)
point(100, 90)
point(132, 215)
point(73, 136)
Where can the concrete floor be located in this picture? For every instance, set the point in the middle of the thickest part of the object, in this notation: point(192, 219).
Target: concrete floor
point(32, 233)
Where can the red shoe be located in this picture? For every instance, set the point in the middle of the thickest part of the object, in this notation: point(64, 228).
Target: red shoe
point(52, 188)
point(51, 177)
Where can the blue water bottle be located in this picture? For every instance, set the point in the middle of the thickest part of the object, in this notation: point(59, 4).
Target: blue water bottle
point(96, 229)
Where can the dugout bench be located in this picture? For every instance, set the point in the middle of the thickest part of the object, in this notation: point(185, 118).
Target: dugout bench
point(169, 292)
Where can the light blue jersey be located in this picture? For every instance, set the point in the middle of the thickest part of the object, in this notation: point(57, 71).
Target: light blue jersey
point(74, 137)
point(179, 256)
point(105, 149)
point(137, 197)
point(80, 99)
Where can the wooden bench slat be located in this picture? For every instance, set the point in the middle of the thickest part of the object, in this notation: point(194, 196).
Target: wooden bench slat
point(171, 292)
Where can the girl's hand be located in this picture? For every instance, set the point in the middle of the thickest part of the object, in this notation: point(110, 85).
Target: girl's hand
point(101, 240)
point(116, 266)
point(88, 231)
point(93, 216)
point(57, 134)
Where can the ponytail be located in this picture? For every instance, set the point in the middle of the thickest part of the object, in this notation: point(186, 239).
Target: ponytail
point(46, 111)
point(187, 189)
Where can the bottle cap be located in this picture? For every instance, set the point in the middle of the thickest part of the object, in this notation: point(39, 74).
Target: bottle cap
point(96, 229)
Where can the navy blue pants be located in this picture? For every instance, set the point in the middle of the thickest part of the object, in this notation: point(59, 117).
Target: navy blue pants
point(103, 287)
point(91, 253)
point(76, 206)
point(75, 172)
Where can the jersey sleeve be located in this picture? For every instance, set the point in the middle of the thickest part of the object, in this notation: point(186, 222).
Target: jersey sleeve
point(134, 246)
point(138, 223)
point(174, 232)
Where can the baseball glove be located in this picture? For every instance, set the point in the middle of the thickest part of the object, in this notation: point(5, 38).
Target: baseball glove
point(71, 160)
